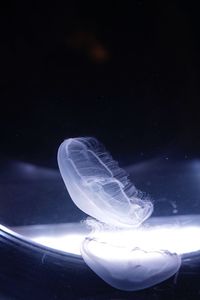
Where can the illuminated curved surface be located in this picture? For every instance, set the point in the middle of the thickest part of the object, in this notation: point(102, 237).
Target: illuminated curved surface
point(183, 189)
point(157, 233)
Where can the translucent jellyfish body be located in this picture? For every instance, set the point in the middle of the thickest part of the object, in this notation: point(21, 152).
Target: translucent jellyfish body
point(100, 188)
point(129, 268)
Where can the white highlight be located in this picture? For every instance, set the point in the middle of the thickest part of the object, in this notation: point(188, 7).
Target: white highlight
point(177, 239)
point(69, 243)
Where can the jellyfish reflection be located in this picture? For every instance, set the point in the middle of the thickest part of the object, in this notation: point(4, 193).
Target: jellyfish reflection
point(129, 268)
point(101, 189)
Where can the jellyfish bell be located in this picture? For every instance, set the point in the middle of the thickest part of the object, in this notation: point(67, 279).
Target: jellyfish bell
point(98, 186)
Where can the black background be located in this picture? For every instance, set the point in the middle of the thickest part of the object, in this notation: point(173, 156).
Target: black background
point(125, 73)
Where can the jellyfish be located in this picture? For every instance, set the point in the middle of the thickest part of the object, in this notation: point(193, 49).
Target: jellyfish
point(98, 186)
point(103, 190)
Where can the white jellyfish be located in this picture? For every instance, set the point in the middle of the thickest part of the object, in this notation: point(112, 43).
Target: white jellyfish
point(100, 188)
